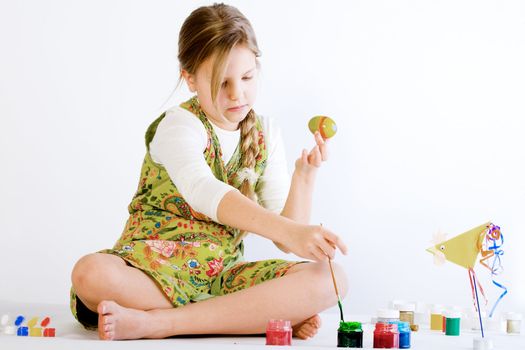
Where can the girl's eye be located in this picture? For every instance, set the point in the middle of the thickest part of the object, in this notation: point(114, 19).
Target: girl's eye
point(224, 83)
point(247, 78)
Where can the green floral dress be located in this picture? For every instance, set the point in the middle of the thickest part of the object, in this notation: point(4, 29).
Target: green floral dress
point(191, 257)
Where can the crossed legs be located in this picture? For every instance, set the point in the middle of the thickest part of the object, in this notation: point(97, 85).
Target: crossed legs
point(131, 305)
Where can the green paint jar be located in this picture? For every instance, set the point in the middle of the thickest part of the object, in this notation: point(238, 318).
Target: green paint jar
point(452, 321)
point(350, 335)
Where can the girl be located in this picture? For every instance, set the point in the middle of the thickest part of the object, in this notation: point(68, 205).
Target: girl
point(213, 171)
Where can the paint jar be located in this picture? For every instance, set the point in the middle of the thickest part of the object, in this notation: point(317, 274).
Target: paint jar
point(483, 344)
point(279, 332)
point(406, 313)
point(350, 335)
point(474, 320)
point(387, 315)
point(496, 324)
point(513, 323)
point(452, 323)
point(386, 336)
point(404, 334)
point(436, 318)
point(420, 316)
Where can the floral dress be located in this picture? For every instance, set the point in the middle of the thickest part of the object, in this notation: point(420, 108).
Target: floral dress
point(188, 255)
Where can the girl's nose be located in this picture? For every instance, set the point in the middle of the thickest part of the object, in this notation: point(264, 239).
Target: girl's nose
point(235, 91)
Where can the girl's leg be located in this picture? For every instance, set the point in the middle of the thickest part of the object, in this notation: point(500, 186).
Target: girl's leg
point(304, 291)
point(98, 277)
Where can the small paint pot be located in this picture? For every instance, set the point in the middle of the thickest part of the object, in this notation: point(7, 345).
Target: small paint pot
point(513, 323)
point(436, 318)
point(483, 344)
point(404, 334)
point(474, 320)
point(279, 332)
point(452, 323)
point(350, 335)
point(406, 312)
point(386, 336)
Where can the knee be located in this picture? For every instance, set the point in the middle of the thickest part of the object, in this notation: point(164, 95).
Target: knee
point(91, 273)
point(323, 280)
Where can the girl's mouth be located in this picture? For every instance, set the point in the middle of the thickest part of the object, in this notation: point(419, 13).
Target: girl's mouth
point(237, 109)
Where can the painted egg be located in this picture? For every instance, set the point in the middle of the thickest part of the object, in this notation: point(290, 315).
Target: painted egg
point(325, 125)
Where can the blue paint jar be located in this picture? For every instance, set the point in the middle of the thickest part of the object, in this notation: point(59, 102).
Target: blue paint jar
point(404, 334)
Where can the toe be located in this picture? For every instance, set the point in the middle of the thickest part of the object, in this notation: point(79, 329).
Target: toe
point(108, 319)
point(316, 321)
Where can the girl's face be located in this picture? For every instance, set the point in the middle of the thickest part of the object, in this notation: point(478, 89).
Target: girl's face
point(237, 91)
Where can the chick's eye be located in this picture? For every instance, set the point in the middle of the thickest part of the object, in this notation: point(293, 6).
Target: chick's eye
point(442, 247)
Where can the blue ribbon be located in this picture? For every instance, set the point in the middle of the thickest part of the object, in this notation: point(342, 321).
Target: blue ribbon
point(497, 267)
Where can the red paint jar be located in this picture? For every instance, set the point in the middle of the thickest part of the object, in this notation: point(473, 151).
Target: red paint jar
point(386, 336)
point(279, 332)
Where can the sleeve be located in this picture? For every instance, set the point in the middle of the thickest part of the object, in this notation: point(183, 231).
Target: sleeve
point(178, 145)
point(274, 184)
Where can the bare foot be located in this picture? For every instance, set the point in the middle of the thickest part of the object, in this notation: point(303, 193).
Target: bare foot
point(117, 322)
point(308, 328)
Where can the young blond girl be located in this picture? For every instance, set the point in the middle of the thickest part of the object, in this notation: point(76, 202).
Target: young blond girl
point(213, 171)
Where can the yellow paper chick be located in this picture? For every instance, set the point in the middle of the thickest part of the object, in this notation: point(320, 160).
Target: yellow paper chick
point(462, 249)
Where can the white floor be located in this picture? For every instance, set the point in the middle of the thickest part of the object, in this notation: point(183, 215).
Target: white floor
point(70, 335)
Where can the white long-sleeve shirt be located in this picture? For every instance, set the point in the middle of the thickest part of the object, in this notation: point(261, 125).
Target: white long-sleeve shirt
point(179, 143)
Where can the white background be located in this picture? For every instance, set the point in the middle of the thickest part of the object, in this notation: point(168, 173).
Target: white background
point(428, 97)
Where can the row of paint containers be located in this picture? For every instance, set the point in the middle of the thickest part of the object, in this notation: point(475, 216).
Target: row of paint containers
point(389, 332)
point(435, 317)
point(393, 326)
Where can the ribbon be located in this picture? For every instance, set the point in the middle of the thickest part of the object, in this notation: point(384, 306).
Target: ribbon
point(473, 283)
point(493, 241)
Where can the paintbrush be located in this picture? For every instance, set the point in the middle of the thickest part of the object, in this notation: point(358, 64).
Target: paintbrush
point(336, 290)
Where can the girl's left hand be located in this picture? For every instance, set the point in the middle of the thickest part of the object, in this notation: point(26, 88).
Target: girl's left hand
point(310, 161)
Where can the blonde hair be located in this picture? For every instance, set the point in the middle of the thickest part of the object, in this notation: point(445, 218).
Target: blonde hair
point(212, 31)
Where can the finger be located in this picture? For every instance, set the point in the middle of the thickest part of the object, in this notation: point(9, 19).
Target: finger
point(336, 240)
point(324, 150)
point(304, 156)
point(326, 247)
point(318, 254)
point(318, 138)
point(315, 158)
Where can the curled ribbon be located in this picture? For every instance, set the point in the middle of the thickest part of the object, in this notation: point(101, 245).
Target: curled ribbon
point(491, 249)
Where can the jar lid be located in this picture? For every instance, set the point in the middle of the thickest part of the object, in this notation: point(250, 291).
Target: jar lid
point(513, 316)
point(283, 325)
point(406, 307)
point(387, 313)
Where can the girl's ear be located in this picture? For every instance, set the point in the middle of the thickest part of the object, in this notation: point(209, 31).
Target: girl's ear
point(189, 78)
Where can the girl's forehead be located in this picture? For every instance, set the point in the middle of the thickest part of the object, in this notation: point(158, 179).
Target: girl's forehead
point(240, 61)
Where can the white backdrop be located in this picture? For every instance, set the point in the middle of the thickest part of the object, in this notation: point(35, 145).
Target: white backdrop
point(428, 97)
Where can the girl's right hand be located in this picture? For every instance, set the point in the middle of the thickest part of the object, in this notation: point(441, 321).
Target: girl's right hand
point(314, 242)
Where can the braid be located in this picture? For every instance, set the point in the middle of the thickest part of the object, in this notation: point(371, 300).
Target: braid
point(249, 151)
